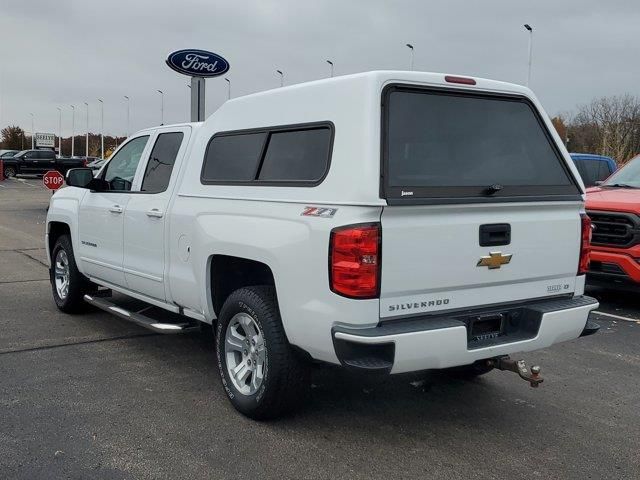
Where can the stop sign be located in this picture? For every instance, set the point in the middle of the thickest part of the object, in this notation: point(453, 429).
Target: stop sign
point(53, 180)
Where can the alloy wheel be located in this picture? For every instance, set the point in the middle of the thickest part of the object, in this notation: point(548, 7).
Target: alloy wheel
point(245, 353)
point(61, 274)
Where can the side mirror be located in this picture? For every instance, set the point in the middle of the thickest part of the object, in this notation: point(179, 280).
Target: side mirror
point(598, 183)
point(79, 177)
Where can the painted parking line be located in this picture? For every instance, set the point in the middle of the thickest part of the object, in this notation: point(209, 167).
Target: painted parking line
point(25, 182)
point(619, 317)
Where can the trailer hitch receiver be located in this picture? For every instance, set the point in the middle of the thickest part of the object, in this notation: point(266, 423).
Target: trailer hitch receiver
point(519, 367)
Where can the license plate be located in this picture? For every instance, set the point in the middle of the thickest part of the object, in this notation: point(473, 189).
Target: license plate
point(486, 326)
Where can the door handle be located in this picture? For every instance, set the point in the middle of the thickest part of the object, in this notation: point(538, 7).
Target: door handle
point(154, 212)
point(115, 209)
point(495, 234)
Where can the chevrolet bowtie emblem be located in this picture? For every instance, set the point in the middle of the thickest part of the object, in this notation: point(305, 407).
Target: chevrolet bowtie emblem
point(494, 260)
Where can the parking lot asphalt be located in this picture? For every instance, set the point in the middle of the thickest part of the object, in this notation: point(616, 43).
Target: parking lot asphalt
point(92, 396)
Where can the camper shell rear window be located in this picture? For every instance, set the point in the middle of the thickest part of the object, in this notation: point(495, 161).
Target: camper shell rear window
point(442, 145)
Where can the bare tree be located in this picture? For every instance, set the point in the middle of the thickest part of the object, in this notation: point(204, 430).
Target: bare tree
point(608, 126)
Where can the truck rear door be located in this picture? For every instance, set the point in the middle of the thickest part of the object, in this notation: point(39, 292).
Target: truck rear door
point(483, 209)
point(46, 160)
point(145, 220)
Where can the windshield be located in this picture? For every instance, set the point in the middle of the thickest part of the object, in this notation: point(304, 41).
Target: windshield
point(447, 144)
point(628, 176)
point(21, 153)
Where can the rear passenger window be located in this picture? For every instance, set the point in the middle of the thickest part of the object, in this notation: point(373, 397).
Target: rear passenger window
point(296, 156)
point(160, 164)
point(604, 171)
point(592, 171)
point(271, 156)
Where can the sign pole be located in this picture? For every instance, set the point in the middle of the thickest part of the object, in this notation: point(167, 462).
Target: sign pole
point(197, 99)
point(199, 65)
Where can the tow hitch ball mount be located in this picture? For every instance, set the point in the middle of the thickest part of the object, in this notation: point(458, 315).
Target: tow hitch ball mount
point(519, 367)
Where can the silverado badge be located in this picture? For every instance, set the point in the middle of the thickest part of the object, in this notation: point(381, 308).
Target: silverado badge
point(494, 260)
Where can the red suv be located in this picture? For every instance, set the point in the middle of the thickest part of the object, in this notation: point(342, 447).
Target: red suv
point(614, 208)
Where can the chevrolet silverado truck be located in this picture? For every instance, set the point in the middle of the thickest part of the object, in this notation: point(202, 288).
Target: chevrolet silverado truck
point(614, 208)
point(387, 222)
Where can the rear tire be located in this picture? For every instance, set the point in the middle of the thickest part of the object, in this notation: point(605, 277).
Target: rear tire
point(261, 374)
point(9, 172)
point(67, 283)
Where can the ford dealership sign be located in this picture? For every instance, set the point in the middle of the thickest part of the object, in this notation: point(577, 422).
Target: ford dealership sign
point(197, 63)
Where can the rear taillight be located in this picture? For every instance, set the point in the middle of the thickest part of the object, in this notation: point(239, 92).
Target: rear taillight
point(585, 244)
point(354, 260)
point(85, 163)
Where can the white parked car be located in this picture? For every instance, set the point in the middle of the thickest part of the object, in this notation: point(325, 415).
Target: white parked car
point(386, 221)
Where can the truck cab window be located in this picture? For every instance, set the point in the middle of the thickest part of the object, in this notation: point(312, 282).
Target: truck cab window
point(122, 167)
point(160, 165)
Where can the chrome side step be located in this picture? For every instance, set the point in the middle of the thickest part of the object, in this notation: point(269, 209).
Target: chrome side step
point(144, 316)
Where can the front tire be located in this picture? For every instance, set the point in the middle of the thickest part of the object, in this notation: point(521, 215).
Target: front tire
point(67, 283)
point(261, 374)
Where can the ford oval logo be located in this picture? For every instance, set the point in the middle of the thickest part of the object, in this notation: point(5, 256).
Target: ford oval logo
point(197, 63)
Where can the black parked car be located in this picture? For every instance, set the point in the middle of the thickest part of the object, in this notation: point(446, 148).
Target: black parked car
point(8, 154)
point(39, 162)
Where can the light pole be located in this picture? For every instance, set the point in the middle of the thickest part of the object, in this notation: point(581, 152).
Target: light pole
point(101, 128)
point(59, 131)
point(128, 100)
point(33, 134)
point(331, 64)
point(228, 88)
point(281, 77)
point(86, 144)
point(73, 128)
point(530, 30)
point(410, 56)
point(161, 107)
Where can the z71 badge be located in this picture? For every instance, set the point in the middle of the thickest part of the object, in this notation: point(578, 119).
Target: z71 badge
point(319, 212)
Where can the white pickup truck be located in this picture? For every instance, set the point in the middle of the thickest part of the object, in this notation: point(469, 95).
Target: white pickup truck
point(387, 222)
